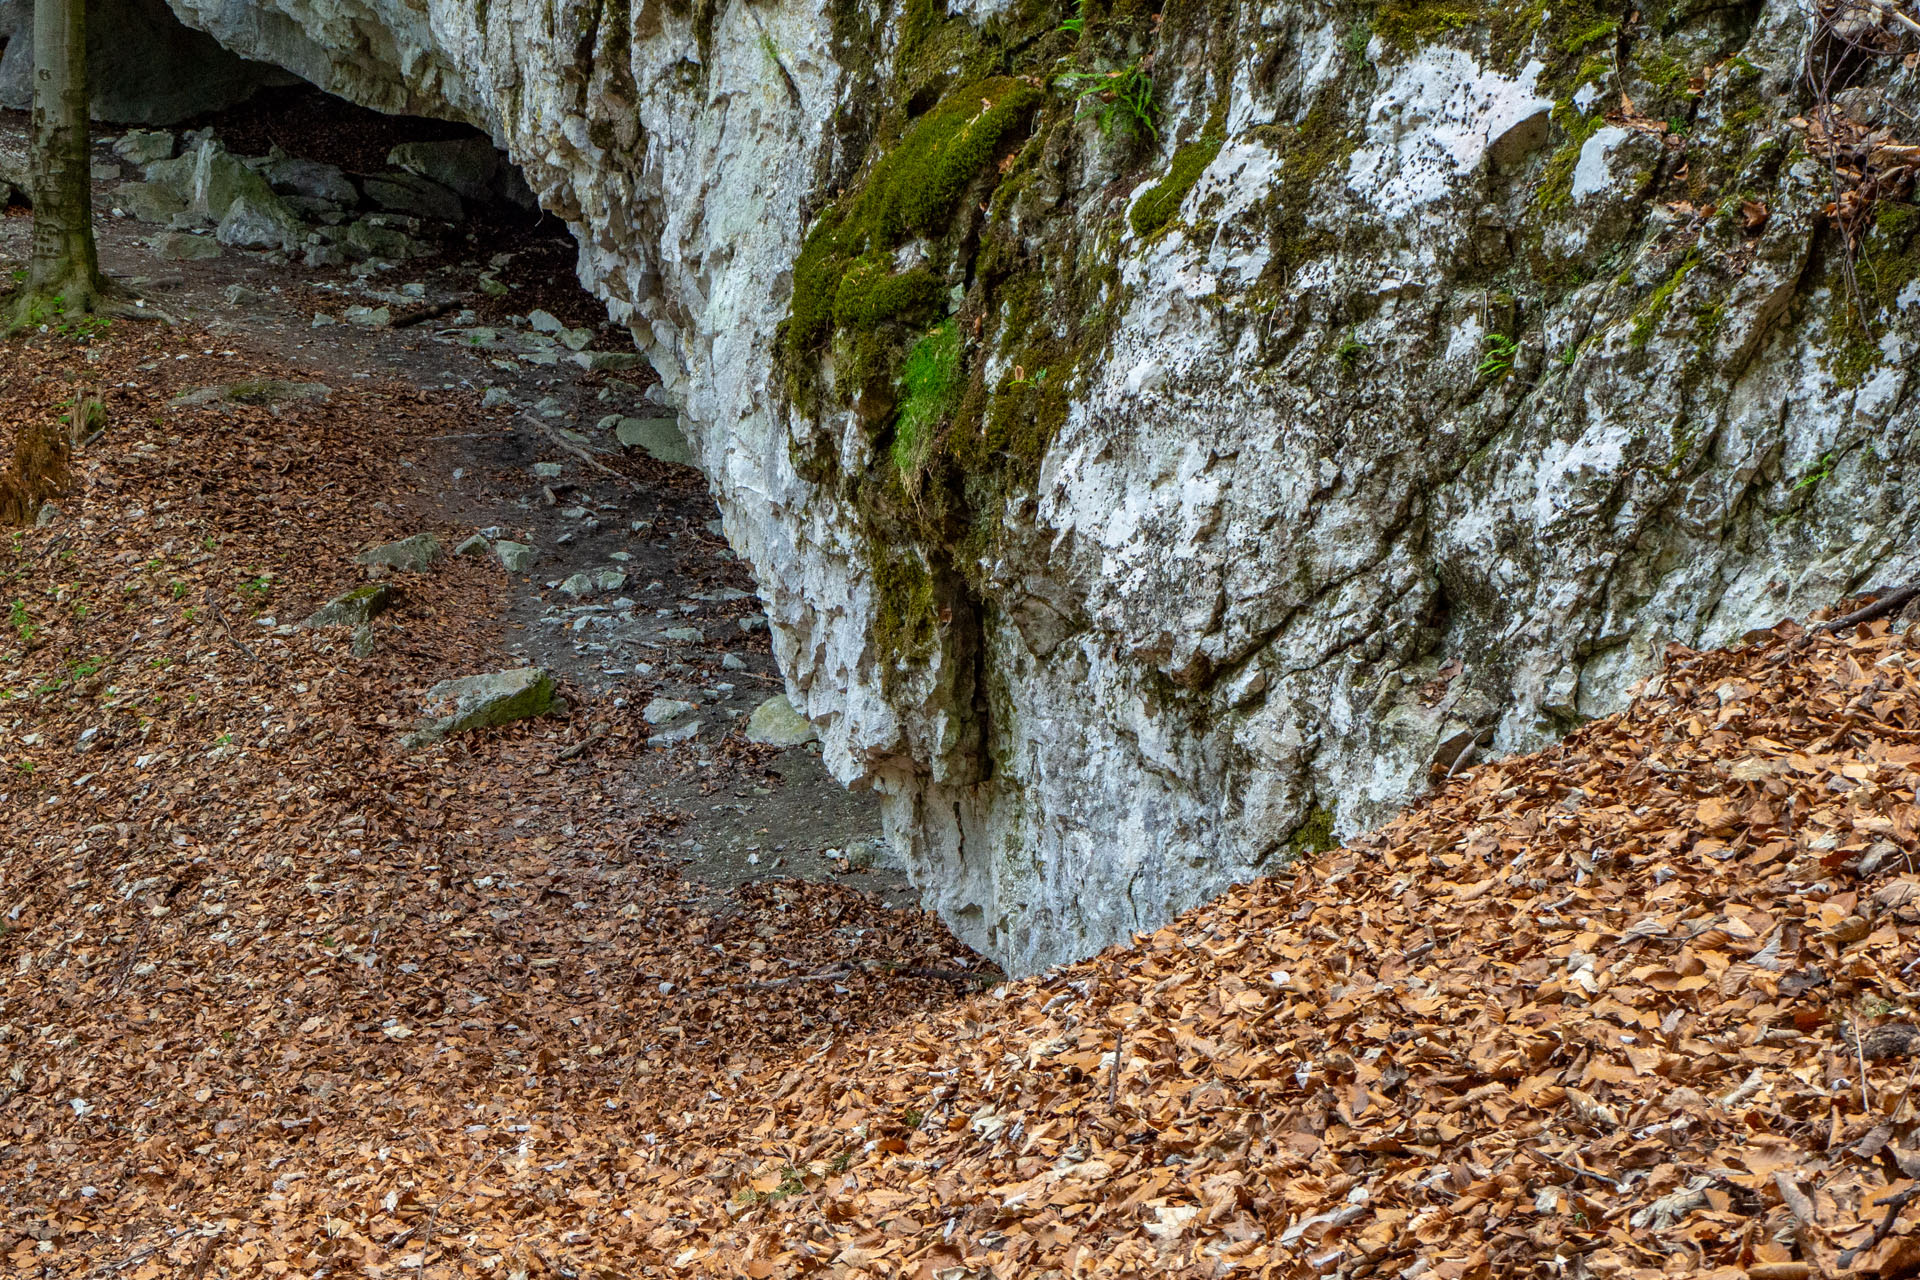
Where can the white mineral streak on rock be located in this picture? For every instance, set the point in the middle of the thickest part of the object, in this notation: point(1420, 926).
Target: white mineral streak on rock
point(1432, 124)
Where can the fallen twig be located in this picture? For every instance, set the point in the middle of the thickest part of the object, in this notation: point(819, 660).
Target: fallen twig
point(581, 747)
point(1895, 1203)
point(1890, 600)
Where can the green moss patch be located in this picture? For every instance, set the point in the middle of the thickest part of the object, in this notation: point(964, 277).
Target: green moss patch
point(910, 194)
point(1156, 207)
point(930, 390)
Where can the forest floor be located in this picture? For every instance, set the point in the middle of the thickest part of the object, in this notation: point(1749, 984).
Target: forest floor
point(278, 998)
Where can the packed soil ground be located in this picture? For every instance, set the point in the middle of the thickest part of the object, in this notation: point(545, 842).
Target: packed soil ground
point(279, 998)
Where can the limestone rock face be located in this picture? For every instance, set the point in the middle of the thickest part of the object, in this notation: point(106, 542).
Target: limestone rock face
point(1136, 508)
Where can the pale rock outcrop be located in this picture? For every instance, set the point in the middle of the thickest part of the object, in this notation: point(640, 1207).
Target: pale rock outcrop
point(1429, 397)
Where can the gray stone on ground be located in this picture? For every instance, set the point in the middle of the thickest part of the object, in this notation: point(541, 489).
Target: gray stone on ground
point(148, 202)
point(776, 724)
point(684, 635)
point(105, 171)
point(607, 361)
point(239, 295)
point(664, 710)
point(544, 322)
point(474, 546)
point(312, 180)
point(515, 557)
point(144, 146)
point(609, 579)
point(361, 645)
point(260, 221)
point(184, 246)
point(478, 702)
point(495, 397)
point(733, 662)
point(468, 166)
point(253, 391)
point(368, 317)
point(415, 554)
point(658, 438)
point(410, 193)
point(679, 733)
point(579, 585)
point(354, 609)
point(548, 470)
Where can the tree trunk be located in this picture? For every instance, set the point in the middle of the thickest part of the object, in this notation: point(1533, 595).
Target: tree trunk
point(64, 275)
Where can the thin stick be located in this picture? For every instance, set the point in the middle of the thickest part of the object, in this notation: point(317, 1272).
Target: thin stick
point(1886, 604)
point(1861, 1053)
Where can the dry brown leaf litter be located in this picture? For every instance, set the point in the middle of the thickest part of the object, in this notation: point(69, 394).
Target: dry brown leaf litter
point(256, 966)
point(1636, 1005)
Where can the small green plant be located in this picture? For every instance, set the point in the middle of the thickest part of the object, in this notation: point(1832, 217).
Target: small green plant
point(79, 610)
point(1122, 96)
point(22, 622)
point(1349, 351)
point(1020, 379)
point(1815, 474)
point(24, 766)
point(1359, 36)
point(257, 589)
point(224, 740)
point(1078, 23)
point(1568, 354)
point(177, 588)
point(210, 544)
point(913, 1118)
point(1501, 353)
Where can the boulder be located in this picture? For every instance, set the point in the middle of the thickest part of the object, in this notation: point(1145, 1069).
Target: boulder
point(514, 557)
point(658, 438)
point(255, 221)
point(144, 66)
point(479, 702)
point(354, 609)
point(184, 246)
point(175, 175)
point(411, 194)
point(369, 317)
point(416, 554)
point(468, 166)
point(363, 239)
point(149, 202)
point(220, 178)
point(775, 723)
point(311, 180)
point(144, 146)
point(474, 546)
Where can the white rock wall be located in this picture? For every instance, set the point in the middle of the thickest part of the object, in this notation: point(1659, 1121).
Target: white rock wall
point(1290, 545)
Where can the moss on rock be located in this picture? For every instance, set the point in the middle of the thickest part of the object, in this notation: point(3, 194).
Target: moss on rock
point(1156, 207)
